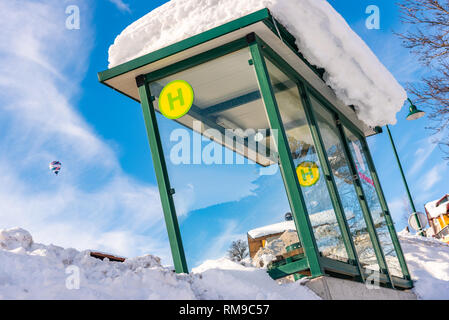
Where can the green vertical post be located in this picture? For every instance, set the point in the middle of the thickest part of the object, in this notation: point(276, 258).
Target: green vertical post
point(365, 209)
point(412, 204)
point(388, 218)
point(330, 182)
point(298, 206)
point(165, 191)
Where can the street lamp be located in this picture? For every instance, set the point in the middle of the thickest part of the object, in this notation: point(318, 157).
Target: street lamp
point(414, 114)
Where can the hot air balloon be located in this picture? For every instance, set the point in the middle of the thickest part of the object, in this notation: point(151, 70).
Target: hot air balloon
point(55, 166)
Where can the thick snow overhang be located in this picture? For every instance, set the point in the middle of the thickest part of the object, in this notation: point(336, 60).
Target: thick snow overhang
point(122, 78)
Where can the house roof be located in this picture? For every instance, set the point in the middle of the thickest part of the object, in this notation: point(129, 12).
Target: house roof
point(437, 207)
point(316, 219)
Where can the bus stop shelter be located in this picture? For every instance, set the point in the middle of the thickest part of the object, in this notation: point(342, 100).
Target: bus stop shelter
point(246, 74)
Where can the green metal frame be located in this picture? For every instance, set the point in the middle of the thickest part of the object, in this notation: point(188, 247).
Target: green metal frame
point(288, 269)
point(166, 192)
point(306, 90)
point(313, 261)
point(261, 15)
point(294, 194)
point(386, 211)
point(330, 182)
point(399, 252)
point(365, 208)
point(382, 200)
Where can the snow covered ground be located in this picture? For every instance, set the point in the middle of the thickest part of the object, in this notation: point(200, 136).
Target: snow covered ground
point(34, 271)
point(428, 261)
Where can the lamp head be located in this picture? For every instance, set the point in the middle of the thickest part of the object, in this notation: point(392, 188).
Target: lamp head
point(414, 113)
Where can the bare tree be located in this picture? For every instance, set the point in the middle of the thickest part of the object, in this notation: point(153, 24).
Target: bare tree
point(406, 209)
point(428, 38)
point(238, 250)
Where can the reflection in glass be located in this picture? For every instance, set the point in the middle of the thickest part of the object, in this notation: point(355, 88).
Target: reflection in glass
point(310, 175)
point(373, 202)
point(345, 186)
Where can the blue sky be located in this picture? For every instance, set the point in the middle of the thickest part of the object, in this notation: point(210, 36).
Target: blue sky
point(106, 198)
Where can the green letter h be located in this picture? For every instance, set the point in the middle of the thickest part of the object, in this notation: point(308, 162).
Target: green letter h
point(305, 174)
point(172, 100)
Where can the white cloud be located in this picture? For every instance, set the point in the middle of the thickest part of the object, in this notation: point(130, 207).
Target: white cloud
point(220, 244)
point(399, 208)
point(93, 204)
point(423, 153)
point(431, 178)
point(121, 5)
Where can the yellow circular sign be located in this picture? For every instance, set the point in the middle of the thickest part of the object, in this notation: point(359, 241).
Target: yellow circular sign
point(308, 173)
point(176, 99)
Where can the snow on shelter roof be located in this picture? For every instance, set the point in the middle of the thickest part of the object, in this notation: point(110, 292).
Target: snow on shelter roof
point(324, 38)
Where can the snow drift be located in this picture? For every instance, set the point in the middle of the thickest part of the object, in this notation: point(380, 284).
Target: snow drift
point(323, 36)
point(30, 270)
point(428, 261)
point(34, 271)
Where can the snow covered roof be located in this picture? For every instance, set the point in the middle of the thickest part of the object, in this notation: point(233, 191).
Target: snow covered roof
point(324, 38)
point(272, 229)
point(316, 219)
point(438, 207)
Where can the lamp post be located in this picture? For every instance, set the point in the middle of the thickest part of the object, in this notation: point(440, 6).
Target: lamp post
point(414, 114)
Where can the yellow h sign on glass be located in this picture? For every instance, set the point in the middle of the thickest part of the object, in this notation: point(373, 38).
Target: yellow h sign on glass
point(176, 99)
point(308, 173)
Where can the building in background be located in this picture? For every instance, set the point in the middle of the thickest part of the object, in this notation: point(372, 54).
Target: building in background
point(438, 215)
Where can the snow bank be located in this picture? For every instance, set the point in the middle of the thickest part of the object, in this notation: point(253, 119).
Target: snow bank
point(15, 239)
point(224, 279)
point(30, 270)
point(323, 36)
point(428, 261)
point(35, 271)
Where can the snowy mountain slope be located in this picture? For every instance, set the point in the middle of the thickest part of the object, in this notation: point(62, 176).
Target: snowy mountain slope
point(34, 271)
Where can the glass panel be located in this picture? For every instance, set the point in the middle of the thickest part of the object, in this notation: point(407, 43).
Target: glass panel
point(224, 194)
point(310, 174)
point(373, 203)
point(345, 186)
